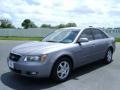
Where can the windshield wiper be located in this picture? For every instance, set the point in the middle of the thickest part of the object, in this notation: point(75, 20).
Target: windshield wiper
point(50, 41)
point(64, 42)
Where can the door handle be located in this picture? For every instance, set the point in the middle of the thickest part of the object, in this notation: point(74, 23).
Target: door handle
point(93, 45)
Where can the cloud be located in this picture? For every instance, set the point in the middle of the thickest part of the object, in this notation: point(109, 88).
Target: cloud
point(83, 12)
point(115, 13)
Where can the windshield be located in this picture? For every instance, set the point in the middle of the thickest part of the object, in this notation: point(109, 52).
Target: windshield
point(62, 36)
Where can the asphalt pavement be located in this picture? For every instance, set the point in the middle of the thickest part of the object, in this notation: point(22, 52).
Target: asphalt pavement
point(95, 76)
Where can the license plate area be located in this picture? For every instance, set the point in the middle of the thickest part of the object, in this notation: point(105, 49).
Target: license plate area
point(11, 64)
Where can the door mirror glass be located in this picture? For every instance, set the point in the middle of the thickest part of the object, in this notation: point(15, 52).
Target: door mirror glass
point(83, 40)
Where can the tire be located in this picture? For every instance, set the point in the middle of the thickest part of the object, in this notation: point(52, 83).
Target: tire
point(61, 70)
point(108, 57)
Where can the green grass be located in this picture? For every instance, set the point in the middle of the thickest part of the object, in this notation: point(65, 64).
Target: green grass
point(117, 40)
point(29, 38)
point(20, 38)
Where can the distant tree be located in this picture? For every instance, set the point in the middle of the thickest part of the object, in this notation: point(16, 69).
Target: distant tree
point(61, 26)
point(71, 25)
point(66, 25)
point(5, 23)
point(33, 25)
point(45, 26)
point(27, 23)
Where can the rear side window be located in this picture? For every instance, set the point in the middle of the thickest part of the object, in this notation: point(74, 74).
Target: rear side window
point(87, 33)
point(104, 35)
point(98, 34)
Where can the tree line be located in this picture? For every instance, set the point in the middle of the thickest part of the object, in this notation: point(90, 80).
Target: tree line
point(27, 23)
point(5, 23)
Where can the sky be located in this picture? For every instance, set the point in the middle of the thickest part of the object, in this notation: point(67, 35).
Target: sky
point(98, 13)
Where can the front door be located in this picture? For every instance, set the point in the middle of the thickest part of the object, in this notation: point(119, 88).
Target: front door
point(84, 51)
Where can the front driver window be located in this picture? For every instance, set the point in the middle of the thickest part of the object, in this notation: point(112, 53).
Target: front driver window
point(87, 34)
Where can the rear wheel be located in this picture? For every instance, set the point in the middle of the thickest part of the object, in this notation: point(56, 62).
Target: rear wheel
point(108, 56)
point(61, 70)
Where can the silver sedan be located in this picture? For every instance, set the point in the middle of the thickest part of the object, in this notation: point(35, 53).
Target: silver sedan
point(61, 52)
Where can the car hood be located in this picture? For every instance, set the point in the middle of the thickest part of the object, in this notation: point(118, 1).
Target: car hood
point(37, 48)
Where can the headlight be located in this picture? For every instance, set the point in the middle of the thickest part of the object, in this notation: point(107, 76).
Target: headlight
point(40, 58)
point(32, 58)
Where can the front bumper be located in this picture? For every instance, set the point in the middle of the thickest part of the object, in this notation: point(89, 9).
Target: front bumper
point(30, 69)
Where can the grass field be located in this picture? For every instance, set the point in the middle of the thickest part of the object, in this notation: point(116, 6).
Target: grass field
point(30, 38)
point(117, 39)
point(20, 38)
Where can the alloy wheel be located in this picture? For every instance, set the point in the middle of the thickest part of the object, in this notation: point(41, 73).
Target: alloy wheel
point(63, 70)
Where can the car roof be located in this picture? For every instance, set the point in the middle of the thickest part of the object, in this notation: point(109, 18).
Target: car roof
point(78, 28)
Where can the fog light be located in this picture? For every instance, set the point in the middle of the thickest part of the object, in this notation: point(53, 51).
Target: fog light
point(33, 73)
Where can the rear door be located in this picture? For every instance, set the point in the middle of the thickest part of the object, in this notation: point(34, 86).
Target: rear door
point(101, 43)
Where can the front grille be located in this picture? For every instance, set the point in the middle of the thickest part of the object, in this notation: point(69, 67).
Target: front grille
point(14, 57)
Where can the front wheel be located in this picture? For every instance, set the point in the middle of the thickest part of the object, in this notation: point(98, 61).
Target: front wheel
point(61, 70)
point(108, 56)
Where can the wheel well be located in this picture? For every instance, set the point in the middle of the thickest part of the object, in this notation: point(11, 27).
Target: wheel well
point(71, 61)
point(111, 48)
point(66, 56)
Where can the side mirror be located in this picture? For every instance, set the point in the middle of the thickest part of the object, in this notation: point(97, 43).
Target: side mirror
point(83, 40)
